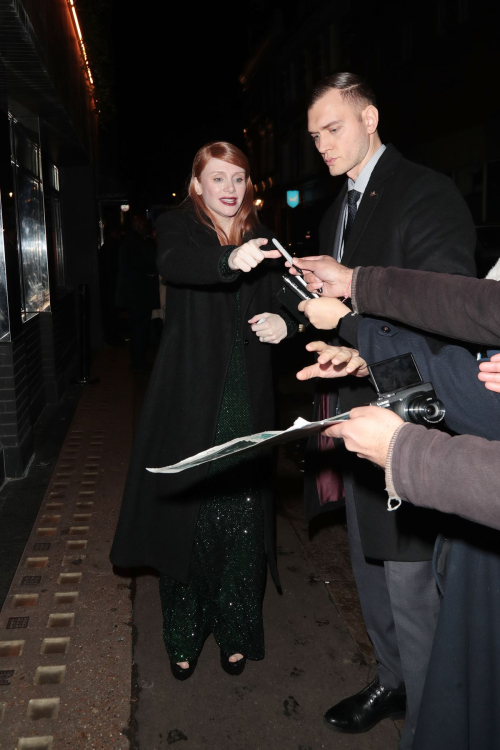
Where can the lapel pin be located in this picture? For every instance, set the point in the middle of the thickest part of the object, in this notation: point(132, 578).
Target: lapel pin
point(373, 194)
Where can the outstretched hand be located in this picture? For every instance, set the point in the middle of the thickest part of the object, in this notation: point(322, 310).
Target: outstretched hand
point(489, 373)
point(325, 273)
point(368, 432)
point(249, 255)
point(333, 362)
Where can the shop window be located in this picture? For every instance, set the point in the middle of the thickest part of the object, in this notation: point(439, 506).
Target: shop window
point(30, 215)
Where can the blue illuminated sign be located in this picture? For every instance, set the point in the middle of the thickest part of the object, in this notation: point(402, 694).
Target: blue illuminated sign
point(292, 198)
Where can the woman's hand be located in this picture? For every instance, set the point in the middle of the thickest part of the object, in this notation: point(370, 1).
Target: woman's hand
point(325, 312)
point(489, 373)
point(249, 255)
point(333, 362)
point(271, 330)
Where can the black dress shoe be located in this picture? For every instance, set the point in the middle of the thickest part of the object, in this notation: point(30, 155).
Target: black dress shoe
point(362, 711)
point(183, 674)
point(233, 668)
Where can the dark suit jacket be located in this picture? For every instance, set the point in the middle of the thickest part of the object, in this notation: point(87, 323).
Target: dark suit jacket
point(409, 217)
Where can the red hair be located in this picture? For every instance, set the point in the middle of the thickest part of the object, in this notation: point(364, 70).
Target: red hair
point(246, 218)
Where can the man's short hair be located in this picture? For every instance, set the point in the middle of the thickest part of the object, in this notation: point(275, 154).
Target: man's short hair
point(353, 89)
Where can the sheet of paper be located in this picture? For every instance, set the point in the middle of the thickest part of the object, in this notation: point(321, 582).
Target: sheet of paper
point(301, 428)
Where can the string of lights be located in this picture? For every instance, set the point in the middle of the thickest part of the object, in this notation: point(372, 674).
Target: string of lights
point(81, 42)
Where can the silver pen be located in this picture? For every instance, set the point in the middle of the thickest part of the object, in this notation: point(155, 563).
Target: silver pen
point(289, 258)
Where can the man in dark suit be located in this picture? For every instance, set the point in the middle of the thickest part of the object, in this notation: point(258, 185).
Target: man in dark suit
point(390, 212)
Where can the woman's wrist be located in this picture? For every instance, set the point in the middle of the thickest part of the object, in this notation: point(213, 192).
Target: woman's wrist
point(225, 266)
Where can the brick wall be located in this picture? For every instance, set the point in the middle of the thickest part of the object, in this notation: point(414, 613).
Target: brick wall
point(34, 369)
point(15, 408)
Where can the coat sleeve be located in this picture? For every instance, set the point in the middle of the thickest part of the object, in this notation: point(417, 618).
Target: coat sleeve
point(437, 231)
point(454, 306)
point(183, 260)
point(451, 474)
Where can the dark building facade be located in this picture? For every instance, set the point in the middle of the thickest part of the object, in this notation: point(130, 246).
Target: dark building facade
point(434, 70)
point(48, 244)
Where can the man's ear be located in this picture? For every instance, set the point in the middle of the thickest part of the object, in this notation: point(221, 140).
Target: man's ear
point(370, 116)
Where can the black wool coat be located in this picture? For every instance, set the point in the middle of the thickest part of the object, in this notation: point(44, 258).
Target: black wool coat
point(159, 512)
point(409, 217)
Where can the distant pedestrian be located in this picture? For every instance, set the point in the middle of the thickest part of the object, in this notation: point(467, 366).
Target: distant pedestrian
point(137, 287)
point(108, 277)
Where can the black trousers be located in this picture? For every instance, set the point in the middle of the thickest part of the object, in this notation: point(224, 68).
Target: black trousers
point(400, 604)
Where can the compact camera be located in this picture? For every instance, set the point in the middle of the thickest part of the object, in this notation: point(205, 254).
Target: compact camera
point(400, 387)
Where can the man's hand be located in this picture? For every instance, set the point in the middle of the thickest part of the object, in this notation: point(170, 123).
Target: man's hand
point(249, 255)
point(323, 272)
point(368, 432)
point(333, 362)
point(272, 330)
point(324, 313)
point(489, 373)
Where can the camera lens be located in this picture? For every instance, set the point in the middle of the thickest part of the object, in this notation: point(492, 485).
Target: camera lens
point(425, 410)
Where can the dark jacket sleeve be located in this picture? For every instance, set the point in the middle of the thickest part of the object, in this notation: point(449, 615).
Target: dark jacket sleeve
point(436, 230)
point(462, 308)
point(348, 328)
point(470, 407)
point(451, 474)
point(181, 257)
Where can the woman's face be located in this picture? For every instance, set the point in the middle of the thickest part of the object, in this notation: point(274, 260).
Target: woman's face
point(222, 187)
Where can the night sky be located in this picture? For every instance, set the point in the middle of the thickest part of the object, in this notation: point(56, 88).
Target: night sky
point(176, 86)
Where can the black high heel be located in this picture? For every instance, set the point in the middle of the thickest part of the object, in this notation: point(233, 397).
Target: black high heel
point(233, 668)
point(183, 674)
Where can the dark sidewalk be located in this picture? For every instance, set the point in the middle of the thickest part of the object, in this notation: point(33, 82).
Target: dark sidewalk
point(317, 649)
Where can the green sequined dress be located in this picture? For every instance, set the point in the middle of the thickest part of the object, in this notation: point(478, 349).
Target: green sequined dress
point(228, 566)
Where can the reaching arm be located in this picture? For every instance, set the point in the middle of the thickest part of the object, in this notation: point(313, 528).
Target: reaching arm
point(452, 474)
point(428, 467)
point(182, 260)
point(454, 306)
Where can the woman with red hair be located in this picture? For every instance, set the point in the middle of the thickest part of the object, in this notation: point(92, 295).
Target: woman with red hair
point(209, 530)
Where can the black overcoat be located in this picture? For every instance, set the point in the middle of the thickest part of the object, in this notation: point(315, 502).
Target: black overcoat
point(159, 512)
point(409, 217)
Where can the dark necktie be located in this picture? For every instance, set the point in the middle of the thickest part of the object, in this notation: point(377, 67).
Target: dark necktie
point(352, 200)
